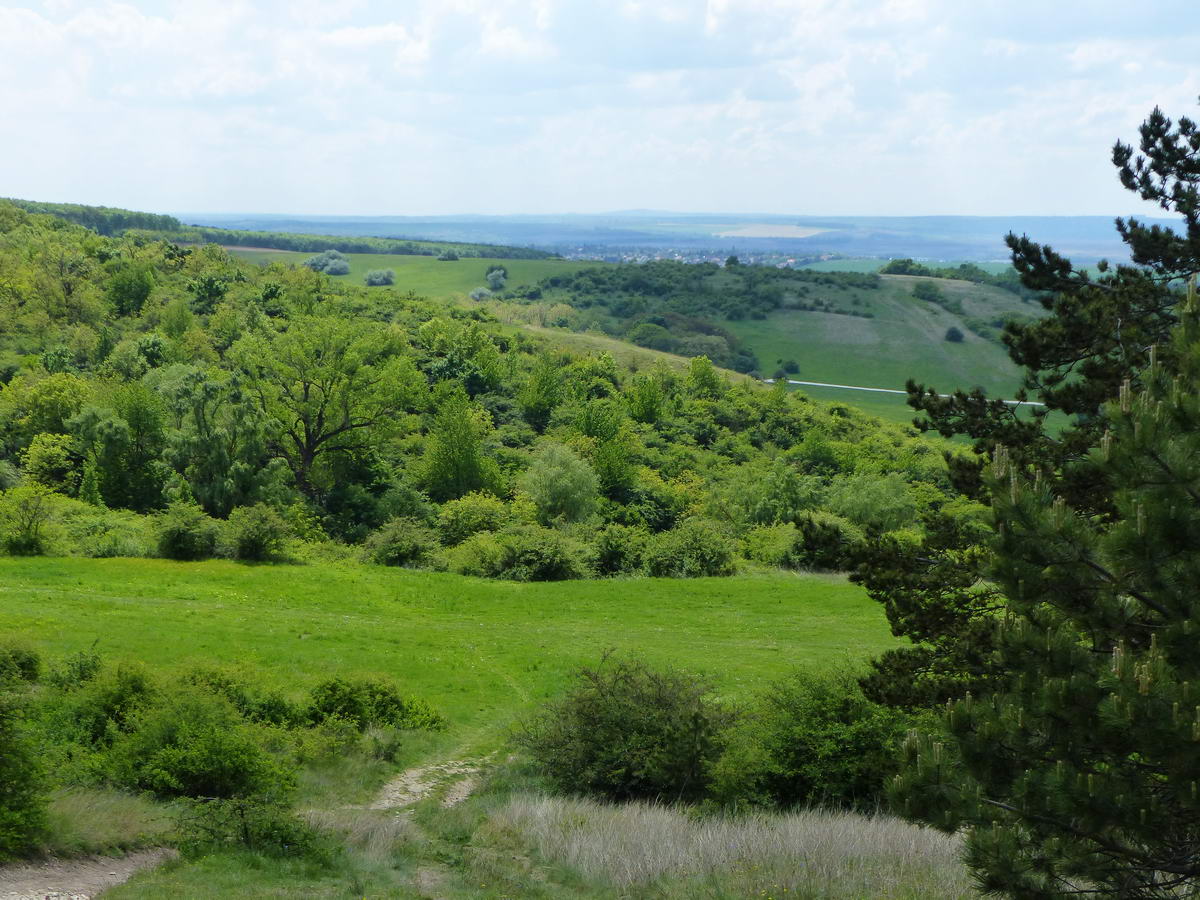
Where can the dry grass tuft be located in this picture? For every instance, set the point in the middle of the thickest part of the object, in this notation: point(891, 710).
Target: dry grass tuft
point(85, 820)
point(810, 853)
point(376, 836)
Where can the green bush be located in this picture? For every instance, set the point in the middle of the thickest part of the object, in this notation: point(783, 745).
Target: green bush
point(194, 744)
point(401, 542)
point(99, 533)
point(25, 514)
point(624, 731)
point(694, 548)
point(472, 514)
point(814, 740)
point(773, 545)
point(22, 788)
point(826, 541)
point(524, 553)
point(563, 487)
point(365, 702)
point(255, 824)
point(881, 502)
point(19, 663)
point(256, 706)
point(186, 532)
point(76, 670)
point(254, 533)
point(379, 277)
point(104, 708)
point(621, 550)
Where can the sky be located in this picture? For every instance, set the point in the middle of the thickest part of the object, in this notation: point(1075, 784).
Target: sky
point(421, 107)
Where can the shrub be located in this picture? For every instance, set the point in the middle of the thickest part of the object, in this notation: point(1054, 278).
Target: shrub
point(366, 702)
point(814, 740)
point(19, 663)
point(331, 262)
point(76, 670)
point(624, 731)
point(22, 789)
point(194, 744)
point(773, 545)
point(476, 512)
point(254, 533)
point(954, 335)
point(99, 533)
point(262, 826)
point(826, 541)
point(882, 502)
point(401, 542)
point(103, 708)
point(562, 486)
point(621, 550)
point(524, 553)
point(25, 513)
point(694, 548)
point(379, 277)
point(51, 461)
point(447, 256)
point(927, 291)
point(267, 707)
point(186, 532)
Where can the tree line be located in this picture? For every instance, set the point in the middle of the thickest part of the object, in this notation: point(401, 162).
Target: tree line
point(152, 390)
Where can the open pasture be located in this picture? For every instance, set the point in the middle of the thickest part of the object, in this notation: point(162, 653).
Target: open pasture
point(483, 652)
point(427, 275)
point(903, 339)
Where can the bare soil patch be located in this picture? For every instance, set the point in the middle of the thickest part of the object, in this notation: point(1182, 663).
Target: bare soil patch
point(75, 879)
point(414, 785)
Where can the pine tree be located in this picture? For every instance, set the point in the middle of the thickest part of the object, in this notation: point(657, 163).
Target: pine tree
point(1097, 335)
point(1080, 771)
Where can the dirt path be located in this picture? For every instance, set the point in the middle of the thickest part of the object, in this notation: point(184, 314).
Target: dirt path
point(854, 387)
point(75, 879)
point(414, 785)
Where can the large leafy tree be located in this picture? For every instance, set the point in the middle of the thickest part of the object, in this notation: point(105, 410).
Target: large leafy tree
point(1099, 333)
point(324, 382)
point(1078, 772)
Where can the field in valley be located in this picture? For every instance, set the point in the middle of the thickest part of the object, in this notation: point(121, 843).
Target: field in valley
point(482, 651)
point(485, 653)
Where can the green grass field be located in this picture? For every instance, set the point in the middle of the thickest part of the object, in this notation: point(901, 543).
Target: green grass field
point(482, 651)
point(904, 339)
point(450, 280)
point(485, 653)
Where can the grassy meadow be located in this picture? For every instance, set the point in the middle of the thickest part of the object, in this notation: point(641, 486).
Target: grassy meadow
point(482, 651)
point(904, 339)
point(428, 276)
point(485, 653)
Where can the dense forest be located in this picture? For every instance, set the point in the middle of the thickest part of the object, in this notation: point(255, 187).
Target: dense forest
point(160, 399)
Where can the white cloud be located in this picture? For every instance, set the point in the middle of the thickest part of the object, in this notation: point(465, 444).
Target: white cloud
point(816, 106)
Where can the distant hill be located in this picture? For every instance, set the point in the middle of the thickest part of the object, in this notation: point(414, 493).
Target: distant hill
point(113, 221)
point(973, 238)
